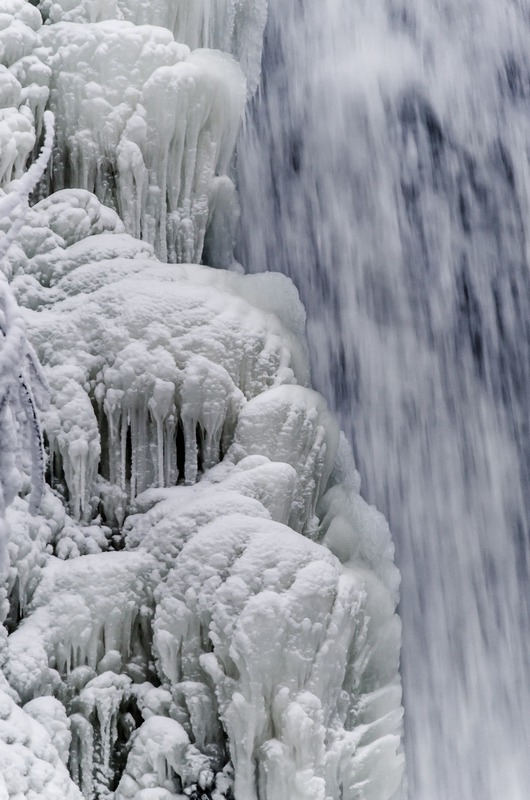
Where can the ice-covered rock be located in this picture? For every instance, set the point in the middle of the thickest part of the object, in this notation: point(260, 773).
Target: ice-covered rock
point(166, 171)
point(17, 139)
point(282, 634)
point(97, 712)
point(145, 125)
point(30, 537)
point(203, 605)
point(98, 73)
point(74, 214)
point(30, 765)
point(24, 82)
point(162, 758)
point(234, 27)
point(170, 374)
point(292, 424)
point(82, 609)
point(142, 122)
point(51, 714)
point(22, 385)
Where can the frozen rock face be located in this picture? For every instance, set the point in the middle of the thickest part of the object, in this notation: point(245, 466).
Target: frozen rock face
point(19, 431)
point(22, 384)
point(199, 604)
point(237, 656)
point(33, 741)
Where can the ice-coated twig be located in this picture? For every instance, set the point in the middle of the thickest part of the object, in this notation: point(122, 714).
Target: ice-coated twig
point(22, 188)
point(19, 368)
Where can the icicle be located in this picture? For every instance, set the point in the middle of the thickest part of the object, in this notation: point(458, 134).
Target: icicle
point(123, 448)
point(161, 405)
point(170, 452)
point(136, 449)
point(112, 406)
point(94, 723)
point(82, 753)
point(189, 424)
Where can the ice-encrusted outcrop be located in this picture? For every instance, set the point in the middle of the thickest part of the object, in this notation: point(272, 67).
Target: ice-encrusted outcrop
point(24, 84)
point(147, 125)
point(33, 740)
point(22, 387)
point(203, 605)
point(281, 640)
point(229, 25)
point(201, 384)
point(30, 743)
point(170, 373)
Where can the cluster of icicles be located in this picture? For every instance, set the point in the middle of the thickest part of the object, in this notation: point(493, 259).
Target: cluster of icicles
point(203, 605)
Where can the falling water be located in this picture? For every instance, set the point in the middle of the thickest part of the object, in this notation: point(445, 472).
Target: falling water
point(385, 167)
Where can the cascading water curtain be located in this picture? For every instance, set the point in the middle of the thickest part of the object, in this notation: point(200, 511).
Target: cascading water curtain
point(384, 167)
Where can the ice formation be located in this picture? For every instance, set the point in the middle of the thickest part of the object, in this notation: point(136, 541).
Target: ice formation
point(199, 603)
point(143, 122)
point(147, 125)
point(228, 25)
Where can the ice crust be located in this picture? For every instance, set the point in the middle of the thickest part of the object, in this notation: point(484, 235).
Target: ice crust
point(200, 603)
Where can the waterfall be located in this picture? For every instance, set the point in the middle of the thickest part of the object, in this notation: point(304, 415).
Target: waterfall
point(384, 167)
